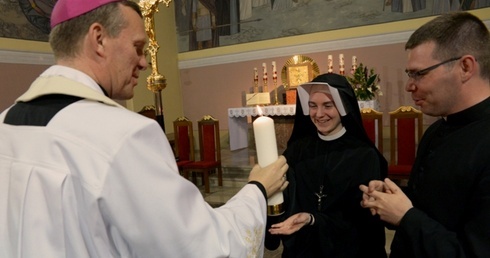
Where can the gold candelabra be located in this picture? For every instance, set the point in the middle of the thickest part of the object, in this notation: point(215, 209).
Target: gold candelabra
point(264, 88)
point(274, 79)
point(156, 82)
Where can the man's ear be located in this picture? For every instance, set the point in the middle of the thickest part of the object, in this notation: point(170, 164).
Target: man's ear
point(96, 38)
point(468, 66)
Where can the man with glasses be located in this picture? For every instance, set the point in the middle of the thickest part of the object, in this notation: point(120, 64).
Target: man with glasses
point(445, 210)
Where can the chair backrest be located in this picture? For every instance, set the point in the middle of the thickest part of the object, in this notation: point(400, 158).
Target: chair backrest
point(148, 111)
point(184, 139)
point(372, 121)
point(406, 128)
point(209, 139)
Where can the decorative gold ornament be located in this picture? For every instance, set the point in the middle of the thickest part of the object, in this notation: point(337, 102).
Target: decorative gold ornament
point(156, 81)
point(297, 70)
point(182, 118)
point(148, 108)
point(404, 109)
point(209, 118)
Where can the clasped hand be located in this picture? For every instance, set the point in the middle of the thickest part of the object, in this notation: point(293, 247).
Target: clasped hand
point(386, 199)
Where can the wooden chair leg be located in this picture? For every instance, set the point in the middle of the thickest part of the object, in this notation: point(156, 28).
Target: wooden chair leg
point(194, 177)
point(206, 181)
point(220, 177)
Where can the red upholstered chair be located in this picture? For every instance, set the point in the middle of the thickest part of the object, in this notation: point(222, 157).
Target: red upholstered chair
point(184, 142)
point(406, 128)
point(148, 111)
point(209, 150)
point(372, 121)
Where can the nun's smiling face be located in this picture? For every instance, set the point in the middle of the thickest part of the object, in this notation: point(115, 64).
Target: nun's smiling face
point(323, 113)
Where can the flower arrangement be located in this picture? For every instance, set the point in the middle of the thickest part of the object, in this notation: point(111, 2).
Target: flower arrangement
point(365, 84)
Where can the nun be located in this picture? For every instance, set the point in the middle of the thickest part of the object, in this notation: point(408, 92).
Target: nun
point(329, 155)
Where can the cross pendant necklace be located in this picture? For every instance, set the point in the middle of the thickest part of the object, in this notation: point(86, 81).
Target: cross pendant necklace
point(320, 195)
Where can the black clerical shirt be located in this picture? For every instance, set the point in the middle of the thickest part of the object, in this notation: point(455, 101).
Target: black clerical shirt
point(450, 190)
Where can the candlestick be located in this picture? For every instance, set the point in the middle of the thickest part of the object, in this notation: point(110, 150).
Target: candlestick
point(264, 68)
point(256, 80)
point(330, 64)
point(266, 145)
point(275, 91)
point(354, 65)
point(274, 80)
point(341, 64)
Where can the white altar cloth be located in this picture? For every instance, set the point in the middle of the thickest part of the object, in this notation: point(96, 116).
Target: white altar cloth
point(238, 122)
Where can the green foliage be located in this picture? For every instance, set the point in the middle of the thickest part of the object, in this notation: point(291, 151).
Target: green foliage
point(365, 84)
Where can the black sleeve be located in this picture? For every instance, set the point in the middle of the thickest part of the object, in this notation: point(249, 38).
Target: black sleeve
point(260, 186)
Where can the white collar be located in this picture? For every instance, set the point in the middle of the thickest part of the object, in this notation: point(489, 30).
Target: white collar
point(334, 136)
point(72, 74)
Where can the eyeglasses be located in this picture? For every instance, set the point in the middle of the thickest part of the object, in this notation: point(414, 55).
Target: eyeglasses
point(418, 74)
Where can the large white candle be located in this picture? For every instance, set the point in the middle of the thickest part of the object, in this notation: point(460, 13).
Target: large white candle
point(265, 140)
point(266, 145)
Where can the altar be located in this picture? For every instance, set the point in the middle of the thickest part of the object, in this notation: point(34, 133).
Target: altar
point(240, 118)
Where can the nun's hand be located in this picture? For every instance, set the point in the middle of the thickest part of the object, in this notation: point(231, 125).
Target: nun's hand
point(291, 224)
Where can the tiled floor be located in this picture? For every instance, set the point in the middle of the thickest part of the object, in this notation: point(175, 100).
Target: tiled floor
point(237, 164)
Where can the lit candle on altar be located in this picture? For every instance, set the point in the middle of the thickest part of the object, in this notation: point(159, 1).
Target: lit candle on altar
point(330, 64)
point(266, 146)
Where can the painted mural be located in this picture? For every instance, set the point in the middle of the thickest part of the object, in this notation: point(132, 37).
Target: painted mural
point(210, 23)
point(25, 19)
point(205, 24)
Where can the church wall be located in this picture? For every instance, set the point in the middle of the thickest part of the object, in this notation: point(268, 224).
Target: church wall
point(214, 80)
point(211, 90)
point(208, 82)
